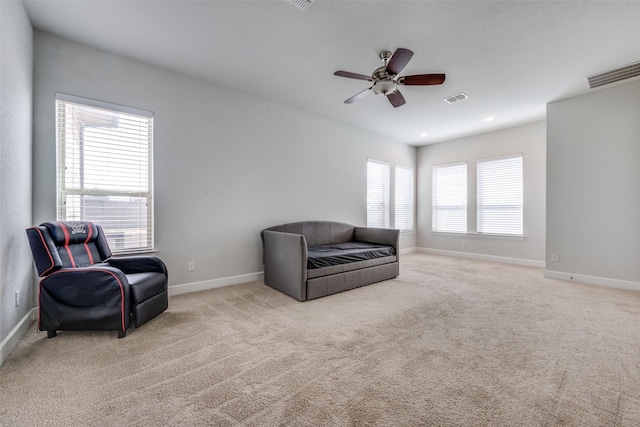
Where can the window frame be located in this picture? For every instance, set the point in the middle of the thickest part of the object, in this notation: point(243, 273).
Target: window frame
point(383, 185)
point(437, 226)
point(511, 197)
point(402, 199)
point(70, 135)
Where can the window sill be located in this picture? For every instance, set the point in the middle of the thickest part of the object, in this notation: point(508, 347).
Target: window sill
point(480, 235)
point(134, 252)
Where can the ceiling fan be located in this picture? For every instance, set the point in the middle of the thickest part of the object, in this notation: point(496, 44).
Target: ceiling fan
point(386, 80)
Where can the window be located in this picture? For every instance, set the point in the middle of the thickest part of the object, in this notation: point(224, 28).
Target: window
point(500, 201)
point(378, 194)
point(449, 198)
point(404, 198)
point(104, 169)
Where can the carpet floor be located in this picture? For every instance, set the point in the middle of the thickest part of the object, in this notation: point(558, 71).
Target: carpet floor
point(450, 342)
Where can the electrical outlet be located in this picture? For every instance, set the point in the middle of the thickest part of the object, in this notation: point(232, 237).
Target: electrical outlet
point(192, 266)
point(17, 298)
point(554, 258)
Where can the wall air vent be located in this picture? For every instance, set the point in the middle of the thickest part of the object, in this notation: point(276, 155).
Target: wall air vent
point(302, 4)
point(612, 76)
point(455, 98)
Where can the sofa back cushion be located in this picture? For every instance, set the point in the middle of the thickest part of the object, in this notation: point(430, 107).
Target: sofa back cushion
point(319, 232)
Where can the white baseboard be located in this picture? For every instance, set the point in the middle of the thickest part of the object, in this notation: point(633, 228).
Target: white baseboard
point(214, 283)
point(593, 280)
point(408, 250)
point(10, 342)
point(483, 257)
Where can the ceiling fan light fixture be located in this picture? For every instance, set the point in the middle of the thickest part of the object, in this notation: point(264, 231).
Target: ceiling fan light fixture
point(385, 87)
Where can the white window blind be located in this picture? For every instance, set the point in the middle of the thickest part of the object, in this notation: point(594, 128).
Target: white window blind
point(404, 198)
point(378, 176)
point(500, 199)
point(449, 198)
point(104, 169)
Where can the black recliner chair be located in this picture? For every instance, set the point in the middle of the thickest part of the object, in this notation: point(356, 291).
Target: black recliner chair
point(83, 288)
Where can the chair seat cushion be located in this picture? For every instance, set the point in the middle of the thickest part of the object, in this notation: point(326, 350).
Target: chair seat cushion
point(146, 285)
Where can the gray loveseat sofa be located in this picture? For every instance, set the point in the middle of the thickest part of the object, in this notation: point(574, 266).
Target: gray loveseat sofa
point(312, 259)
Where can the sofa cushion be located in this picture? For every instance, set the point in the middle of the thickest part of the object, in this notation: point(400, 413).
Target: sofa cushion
point(344, 253)
point(318, 232)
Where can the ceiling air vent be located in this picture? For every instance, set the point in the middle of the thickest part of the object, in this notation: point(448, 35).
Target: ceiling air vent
point(302, 4)
point(611, 76)
point(455, 98)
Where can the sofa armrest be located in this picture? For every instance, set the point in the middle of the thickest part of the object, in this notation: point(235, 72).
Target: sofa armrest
point(285, 262)
point(383, 236)
point(138, 264)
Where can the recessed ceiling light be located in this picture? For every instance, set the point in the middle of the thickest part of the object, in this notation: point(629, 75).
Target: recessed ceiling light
point(488, 119)
point(423, 134)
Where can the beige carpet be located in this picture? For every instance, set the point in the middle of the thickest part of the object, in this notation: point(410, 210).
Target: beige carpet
point(450, 342)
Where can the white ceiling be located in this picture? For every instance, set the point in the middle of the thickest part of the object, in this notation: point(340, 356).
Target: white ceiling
point(510, 58)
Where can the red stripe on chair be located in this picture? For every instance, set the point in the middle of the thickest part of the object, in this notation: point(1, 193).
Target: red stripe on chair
point(86, 246)
point(44, 244)
point(39, 305)
point(67, 238)
point(121, 297)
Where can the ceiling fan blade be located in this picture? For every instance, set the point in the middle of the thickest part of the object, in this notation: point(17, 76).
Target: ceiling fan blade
point(399, 60)
point(396, 99)
point(358, 96)
point(349, 75)
point(422, 80)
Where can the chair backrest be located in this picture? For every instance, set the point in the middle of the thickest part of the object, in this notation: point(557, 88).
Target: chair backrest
point(67, 244)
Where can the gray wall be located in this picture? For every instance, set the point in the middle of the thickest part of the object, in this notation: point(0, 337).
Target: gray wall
point(15, 171)
point(227, 164)
point(593, 191)
point(527, 139)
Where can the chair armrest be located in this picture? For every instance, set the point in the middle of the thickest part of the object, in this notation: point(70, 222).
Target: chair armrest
point(100, 285)
point(382, 236)
point(139, 264)
point(285, 262)
point(103, 287)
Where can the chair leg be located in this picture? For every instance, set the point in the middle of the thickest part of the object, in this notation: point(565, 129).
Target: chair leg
point(122, 334)
point(51, 334)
